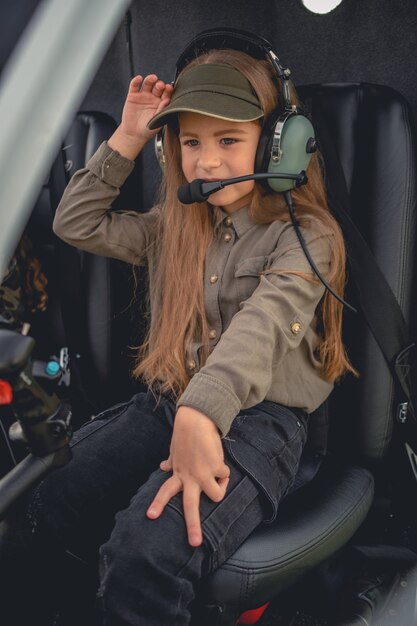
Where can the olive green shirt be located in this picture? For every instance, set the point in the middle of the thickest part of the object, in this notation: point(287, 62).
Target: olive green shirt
point(262, 326)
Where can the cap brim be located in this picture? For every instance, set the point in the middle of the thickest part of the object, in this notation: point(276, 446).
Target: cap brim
point(218, 105)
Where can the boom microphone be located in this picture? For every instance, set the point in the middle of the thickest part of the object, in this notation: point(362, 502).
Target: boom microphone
point(199, 190)
point(192, 192)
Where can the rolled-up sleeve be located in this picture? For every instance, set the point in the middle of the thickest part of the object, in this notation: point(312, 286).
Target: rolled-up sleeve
point(276, 319)
point(83, 217)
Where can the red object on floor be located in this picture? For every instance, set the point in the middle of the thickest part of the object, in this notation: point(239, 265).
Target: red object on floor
point(6, 392)
point(252, 616)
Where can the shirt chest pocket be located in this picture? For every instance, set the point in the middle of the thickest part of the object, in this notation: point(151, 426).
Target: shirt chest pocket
point(247, 275)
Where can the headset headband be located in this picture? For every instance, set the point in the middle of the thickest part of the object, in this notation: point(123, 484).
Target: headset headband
point(235, 39)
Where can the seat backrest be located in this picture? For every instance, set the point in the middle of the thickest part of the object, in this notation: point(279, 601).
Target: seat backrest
point(375, 139)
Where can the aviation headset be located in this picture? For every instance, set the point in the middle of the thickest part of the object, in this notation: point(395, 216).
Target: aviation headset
point(287, 140)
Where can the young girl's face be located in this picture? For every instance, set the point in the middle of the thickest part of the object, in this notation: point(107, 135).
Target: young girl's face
point(214, 149)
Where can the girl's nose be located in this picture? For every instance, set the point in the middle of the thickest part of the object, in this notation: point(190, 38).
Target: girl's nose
point(208, 159)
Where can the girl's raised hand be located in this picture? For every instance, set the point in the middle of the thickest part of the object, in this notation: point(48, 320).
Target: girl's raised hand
point(146, 97)
point(197, 463)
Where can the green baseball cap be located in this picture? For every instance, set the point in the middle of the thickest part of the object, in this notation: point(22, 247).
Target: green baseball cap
point(213, 89)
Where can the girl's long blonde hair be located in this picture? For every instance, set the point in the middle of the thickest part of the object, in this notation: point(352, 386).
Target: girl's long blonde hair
point(186, 231)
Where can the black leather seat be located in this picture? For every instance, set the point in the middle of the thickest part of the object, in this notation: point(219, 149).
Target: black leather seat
point(375, 139)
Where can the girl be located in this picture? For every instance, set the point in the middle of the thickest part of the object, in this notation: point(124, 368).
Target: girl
point(243, 343)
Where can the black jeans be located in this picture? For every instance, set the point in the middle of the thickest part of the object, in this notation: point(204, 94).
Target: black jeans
point(94, 508)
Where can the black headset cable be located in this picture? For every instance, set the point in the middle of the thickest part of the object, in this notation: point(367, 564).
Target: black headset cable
point(288, 200)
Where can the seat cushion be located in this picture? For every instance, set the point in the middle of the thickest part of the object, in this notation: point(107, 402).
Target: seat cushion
point(312, 524)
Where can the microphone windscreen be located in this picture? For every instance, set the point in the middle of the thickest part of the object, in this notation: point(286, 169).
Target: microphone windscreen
point(184, 194)
point(191, 192)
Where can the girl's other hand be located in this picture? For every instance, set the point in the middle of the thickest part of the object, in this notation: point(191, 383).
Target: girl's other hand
point(146, 97)
point(197, 464)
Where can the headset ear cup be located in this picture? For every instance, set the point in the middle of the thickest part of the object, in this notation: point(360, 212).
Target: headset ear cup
point(297, 144)
point(159, 147)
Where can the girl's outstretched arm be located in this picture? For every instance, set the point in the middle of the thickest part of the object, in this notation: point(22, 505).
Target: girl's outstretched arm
point(83, 218)
point(146, 97)
point(197, 464)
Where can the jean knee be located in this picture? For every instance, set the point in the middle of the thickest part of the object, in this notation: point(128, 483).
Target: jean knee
point(143, 548)
point(138, 542)
point(147, 572)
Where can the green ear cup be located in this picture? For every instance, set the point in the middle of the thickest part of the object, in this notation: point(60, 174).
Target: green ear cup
point(297, 146)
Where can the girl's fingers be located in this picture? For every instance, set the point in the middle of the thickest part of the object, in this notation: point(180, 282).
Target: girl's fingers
point(166, 465)
point(135, 83)
point(215, 486)
point(167, 93)
point(168, 89)
point(216, 489)
point(168, 490)
point(164, 102)
point(191, 505)
point(223, 471)
point(158, 88)
point(149, 82)
point(223, 483)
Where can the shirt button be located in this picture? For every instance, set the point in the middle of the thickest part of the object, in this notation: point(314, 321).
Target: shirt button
point(213, 333)
point(295, 328)
point(214, 278)
point(228, 221)
point(227, 237)
point(191, 365)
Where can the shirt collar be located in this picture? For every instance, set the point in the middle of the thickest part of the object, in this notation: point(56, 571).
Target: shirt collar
point(240, 220)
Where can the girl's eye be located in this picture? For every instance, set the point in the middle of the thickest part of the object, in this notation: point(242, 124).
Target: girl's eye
point(227, 141)
point(191, 143)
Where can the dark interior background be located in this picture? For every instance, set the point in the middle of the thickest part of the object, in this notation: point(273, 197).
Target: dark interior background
point(361, 40)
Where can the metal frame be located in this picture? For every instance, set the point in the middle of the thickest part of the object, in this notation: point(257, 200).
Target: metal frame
point(41, 89)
